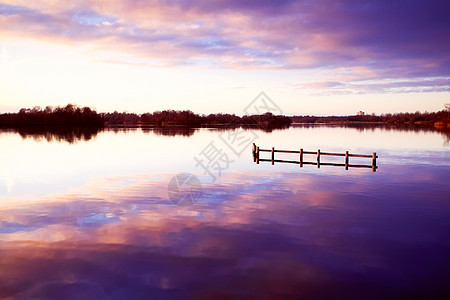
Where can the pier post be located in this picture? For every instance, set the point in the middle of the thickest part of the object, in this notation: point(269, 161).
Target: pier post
point(374, 162)
point(254, 152)
point(257, 155)
point(318, 158)
point(346, 160)
point(301, 157)
point(273, 155)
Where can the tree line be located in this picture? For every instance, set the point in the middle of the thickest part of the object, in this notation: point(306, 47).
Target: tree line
point(67, 115)
point(417, 118)
point(187, 117)
point(85, 116)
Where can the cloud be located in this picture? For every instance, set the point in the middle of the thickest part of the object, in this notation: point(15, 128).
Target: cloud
point(12, 227)
point(389, 85)
point(396, 39)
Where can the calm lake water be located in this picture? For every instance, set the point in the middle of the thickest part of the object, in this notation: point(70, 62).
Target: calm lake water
point(87, 215)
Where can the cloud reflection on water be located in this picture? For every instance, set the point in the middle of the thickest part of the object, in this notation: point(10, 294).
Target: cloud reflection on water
point(267, 235)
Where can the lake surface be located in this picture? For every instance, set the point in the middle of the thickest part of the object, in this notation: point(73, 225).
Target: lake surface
point(103, 215)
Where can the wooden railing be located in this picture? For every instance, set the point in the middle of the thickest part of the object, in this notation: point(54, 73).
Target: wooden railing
point(256, 158)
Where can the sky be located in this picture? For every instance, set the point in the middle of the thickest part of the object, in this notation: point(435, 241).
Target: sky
point(322, 57)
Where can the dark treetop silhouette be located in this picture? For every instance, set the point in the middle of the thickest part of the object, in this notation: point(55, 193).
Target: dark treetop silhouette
point(74, 115)
point(68, 115)
point(71, 115)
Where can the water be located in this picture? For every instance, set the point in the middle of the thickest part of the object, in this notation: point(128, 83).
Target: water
point(86, 214)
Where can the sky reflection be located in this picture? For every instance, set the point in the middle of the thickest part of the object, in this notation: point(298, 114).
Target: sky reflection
point(269, 234)
point(32, 169)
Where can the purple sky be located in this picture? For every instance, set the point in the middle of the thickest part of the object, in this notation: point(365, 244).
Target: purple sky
point(316, 48)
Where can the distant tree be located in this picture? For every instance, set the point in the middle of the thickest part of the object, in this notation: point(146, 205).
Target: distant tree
point(68, 115)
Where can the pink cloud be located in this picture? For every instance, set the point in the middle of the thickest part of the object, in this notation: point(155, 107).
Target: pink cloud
point(246, 35)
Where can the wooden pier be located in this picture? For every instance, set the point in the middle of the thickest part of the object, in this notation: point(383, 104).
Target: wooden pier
point(256, 158)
